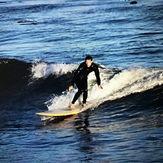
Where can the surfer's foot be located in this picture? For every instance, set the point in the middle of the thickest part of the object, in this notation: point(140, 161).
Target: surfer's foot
point(72, 106)
point(84, 105)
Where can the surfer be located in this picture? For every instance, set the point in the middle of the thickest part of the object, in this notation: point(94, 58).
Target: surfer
point(80, 79)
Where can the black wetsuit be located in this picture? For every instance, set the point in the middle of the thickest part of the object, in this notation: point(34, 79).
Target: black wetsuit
point(80, 79)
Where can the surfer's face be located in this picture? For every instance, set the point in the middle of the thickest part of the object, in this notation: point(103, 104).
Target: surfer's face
point(88, 63)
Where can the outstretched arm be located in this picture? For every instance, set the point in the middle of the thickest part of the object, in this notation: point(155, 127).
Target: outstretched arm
point(97, 74)
point(74, 77)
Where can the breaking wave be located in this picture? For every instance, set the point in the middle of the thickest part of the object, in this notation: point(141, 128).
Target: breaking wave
point(19, 78)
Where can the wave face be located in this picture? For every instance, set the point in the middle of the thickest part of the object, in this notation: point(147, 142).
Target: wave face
point(48, 82)
point(14, 78)
point(116, 84)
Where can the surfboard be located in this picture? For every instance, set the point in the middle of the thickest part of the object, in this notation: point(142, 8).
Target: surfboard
point(47, 115)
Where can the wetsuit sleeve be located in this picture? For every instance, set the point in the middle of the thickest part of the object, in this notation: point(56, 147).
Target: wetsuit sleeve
point(76, 73)
point(97, 74)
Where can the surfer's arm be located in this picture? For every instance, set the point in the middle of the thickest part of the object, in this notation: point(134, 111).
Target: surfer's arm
point(70, 87)
point(97, 74)
point(74, 77)
point(76, 73)
point(72, 82)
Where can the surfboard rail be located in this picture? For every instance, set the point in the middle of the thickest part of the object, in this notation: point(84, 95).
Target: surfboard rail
point(48, 115)
point(59, 113)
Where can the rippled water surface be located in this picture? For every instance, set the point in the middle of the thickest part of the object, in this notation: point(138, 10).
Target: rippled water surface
point(41, 45)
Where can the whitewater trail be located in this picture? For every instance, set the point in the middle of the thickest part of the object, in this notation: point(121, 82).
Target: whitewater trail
point(116, 84)
point(43, 70)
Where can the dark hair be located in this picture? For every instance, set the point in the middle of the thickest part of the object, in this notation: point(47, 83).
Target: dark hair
point(88, 57)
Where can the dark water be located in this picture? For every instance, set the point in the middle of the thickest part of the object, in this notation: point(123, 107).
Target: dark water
point(42, 43)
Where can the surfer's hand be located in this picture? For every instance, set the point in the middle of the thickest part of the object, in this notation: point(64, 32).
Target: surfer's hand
point(70, 88)
point(100, 87)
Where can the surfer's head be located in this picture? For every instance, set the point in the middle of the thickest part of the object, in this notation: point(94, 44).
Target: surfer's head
point(88, 60)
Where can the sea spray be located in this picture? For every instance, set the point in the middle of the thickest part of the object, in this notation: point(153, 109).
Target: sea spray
point(43, 70)
point(126, 82)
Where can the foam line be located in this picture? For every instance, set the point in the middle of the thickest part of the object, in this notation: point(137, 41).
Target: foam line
point(43, 70)
point(126, 82)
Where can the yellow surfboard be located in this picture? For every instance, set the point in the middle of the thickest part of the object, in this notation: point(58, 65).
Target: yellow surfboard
point(59, 113)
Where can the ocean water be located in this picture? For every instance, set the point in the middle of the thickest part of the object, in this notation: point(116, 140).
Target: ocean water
point(41, 45)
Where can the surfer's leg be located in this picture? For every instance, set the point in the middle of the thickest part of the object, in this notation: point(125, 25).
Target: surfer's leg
point(82, 88)
point(85, 95)
point(77, 95)
point(72, 106)
point(79, 85)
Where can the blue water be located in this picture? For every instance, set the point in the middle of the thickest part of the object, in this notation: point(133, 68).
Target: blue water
point(42, 43)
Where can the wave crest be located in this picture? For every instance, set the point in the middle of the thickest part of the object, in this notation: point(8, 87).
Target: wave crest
point(116, 84)
point(43, 70)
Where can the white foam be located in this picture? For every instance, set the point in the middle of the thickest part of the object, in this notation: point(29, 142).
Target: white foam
point(43, 70)
point(127, 82)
